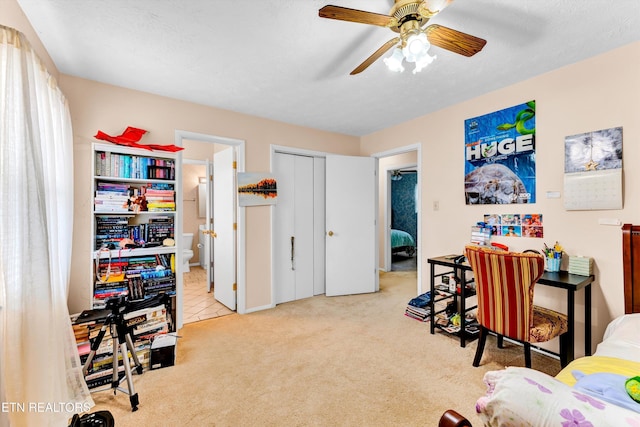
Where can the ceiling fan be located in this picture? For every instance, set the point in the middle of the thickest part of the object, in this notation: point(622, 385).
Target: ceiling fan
point(409, 19)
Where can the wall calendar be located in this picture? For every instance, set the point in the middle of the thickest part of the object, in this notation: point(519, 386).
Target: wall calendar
point(593, 170)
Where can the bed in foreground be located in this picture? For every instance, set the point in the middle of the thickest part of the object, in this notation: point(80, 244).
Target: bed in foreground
point(590, 391)
point(598, 390)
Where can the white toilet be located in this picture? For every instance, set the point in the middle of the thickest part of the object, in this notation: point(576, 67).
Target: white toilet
point(187, 252)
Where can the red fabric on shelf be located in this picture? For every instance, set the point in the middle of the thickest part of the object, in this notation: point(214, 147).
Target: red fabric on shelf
point(169, 147)
point(130, 138)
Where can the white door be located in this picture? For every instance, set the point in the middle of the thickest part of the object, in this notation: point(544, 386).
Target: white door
point(351, 211)
point(224, 214)
point(293, 228)
point(319, 208)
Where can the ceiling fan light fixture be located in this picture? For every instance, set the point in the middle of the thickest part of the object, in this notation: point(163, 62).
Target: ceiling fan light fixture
point(416, 44)
point(416, 50)
point(394, 62)
point(421, 63)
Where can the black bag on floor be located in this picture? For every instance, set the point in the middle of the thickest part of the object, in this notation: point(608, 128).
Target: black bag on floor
point(96, 419)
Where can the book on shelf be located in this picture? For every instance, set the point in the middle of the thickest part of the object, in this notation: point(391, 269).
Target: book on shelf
point(150, 326)
point(110, 293)
point(472, 328)
point(442, 320)
point(103, 377)
point(158, 312)
point(452, 329)
point(161, 206)
point(110, 208)
point(445, 323)
point(119, 165)
point(113, 187)
point(111, 200)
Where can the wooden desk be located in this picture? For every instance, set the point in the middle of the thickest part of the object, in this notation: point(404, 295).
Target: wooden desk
point(561, 279)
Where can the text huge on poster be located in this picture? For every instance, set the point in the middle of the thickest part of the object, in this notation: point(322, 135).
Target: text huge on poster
point(500, 156)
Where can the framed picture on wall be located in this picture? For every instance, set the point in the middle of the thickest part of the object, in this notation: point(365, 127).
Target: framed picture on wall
point(256, 189)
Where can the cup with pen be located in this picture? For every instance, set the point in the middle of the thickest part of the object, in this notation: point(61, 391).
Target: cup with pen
point(553, 257)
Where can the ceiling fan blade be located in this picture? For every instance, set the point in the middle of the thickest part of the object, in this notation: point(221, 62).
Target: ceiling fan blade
point(453, 40)
point(377, 54)
point(354, 15)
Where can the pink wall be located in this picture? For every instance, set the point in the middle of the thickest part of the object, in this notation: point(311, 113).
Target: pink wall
point(96, 106)
point(598, 93)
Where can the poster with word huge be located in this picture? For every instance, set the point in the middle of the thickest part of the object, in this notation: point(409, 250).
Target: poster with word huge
point(500, 156)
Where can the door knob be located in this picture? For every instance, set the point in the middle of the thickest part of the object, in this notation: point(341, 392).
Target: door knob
point(330, 233)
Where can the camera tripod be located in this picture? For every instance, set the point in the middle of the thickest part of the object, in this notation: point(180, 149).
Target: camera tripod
point(122, 341)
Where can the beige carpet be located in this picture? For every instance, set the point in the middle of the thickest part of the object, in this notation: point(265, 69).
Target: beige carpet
point(324, 361)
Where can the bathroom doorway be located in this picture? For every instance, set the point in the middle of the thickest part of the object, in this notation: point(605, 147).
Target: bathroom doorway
point(197, 297)
point(199, 302)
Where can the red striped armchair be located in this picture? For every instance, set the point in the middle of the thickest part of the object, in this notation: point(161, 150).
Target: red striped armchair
point(504, 286)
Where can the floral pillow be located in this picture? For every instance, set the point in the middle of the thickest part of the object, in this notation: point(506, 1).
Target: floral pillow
point(526, 397)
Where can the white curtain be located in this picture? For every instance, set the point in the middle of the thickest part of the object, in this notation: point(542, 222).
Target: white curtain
point(41, 381)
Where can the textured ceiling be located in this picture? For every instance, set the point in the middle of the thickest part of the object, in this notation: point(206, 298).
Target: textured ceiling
point(277, 59)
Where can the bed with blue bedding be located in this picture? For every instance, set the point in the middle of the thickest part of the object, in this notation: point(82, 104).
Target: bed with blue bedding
point(401, 241)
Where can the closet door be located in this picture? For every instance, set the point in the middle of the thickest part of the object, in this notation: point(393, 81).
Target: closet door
point(303, 222)
point(293, 247)
point(319, 226)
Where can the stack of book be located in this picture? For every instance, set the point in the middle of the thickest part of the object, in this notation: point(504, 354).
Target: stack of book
point(111, 229)
point(418, 307)
point(112, 279)
point(111, 197)
point(160, 199)
point(144, 325)
point(138, 277)
point(159, 228)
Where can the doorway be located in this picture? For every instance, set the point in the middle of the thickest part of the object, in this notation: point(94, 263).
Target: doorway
point(398, 159)
point(200, 147)
point(404, 218)
point(199, 302)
